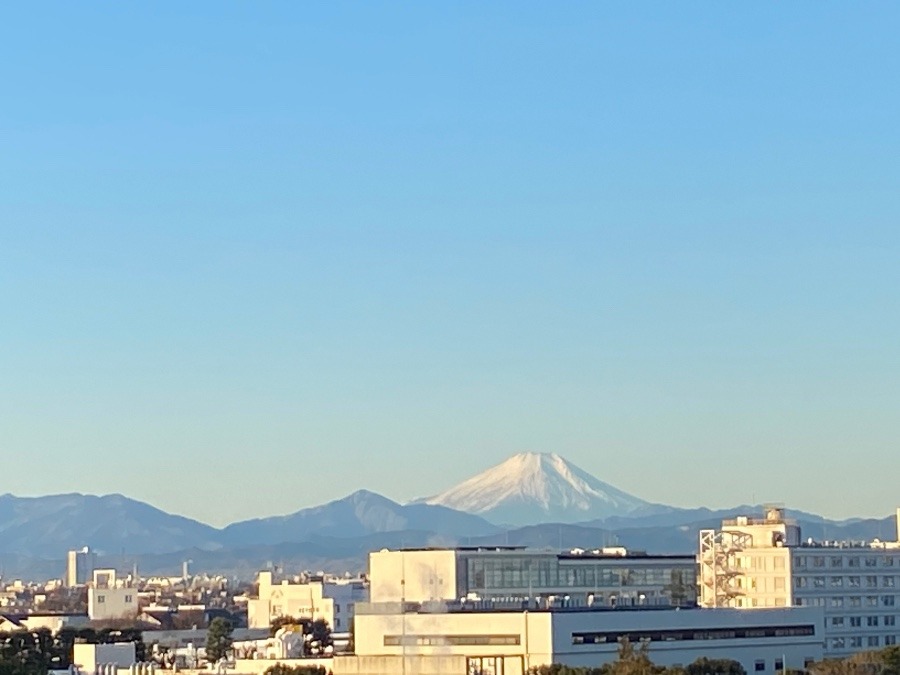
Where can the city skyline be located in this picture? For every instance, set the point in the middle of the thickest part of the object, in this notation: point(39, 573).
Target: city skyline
point(302, 250)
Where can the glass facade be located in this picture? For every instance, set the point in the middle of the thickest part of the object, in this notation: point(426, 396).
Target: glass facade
point(666, 581)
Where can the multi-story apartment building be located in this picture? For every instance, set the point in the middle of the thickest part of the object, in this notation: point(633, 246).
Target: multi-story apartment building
point(578, 578)
point(752, 562)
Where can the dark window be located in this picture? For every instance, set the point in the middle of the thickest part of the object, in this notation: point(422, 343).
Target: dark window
point(759, 666)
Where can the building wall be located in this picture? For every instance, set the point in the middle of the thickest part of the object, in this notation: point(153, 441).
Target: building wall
point(416, 576)
point(88, 656)
point(112, 603)
point(858, 589)
point(760, 639)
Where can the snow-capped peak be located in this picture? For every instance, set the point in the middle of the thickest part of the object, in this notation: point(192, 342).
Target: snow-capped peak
point(533, 487)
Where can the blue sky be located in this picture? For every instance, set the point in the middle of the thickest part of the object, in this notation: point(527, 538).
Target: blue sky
point(282, 251)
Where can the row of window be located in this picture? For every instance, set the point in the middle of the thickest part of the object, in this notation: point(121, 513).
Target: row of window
point(538, 573)
point(858, 641)
point(101, 599)
point(857, 621)
point(450, 640)
point(760, 665)
point(845, 561)
point(711, 634)
point(869, 581)
point(849, 601)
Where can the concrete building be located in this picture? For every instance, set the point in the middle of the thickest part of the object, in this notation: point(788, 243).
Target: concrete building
point(79, 567)
point(108, 598)
point(89, 659)
point(764, 562)
point(446, 638)
point(578, 578)
point(330, 598)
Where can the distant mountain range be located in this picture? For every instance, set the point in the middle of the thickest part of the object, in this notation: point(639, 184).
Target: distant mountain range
point(529, 500)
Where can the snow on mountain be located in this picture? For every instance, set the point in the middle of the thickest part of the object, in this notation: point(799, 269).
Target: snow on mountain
point(531, 488)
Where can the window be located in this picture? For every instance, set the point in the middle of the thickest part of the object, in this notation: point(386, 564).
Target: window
point(801, 561)
point(779, 665)
point(853, 562)
point(837, 561)
point(101, 599)
point(871, 561)
point(871, 620)
point(873, 641)
point(855, 621)
point(819, 561)
point(837, 643)
point(890, 620)
point(451, 640)
point(890, 640)
point(872, 600)
point(856, 601)
point(853, 582)
point(837, 621)
point(887, 600)
point(759, 666)
point(856, 641)
point(337, 623)
point(337, 608)
point(871, 582)
point(887, 561)
point(800, 582)
point(837, 581)
point(129, 599)
point(819, 582)
point(836, 602)
point(887, 582)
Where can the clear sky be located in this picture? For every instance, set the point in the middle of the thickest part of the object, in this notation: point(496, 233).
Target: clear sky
point(255, 256)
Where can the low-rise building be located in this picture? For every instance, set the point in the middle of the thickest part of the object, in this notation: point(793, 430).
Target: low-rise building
point(330, 598)
point(457, 638)
point(108, 599)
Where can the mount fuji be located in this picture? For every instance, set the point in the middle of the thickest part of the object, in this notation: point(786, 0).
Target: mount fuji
point(531, 488)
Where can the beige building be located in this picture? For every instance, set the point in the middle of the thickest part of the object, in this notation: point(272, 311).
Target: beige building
point(328, 598)
point(763, 562)
point(110, 598)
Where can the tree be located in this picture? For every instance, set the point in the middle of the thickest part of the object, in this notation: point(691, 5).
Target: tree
point(281, 669)
point(317, 635)
point(219, 639)
point(280, 622)
point(705, 666)
point(633, 661)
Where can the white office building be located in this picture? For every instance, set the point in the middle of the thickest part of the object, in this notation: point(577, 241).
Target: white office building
point(764, 562)
point(532, 577)
point(451, 638)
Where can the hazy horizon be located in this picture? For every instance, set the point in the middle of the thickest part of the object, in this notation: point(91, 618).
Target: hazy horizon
point(280, 249)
